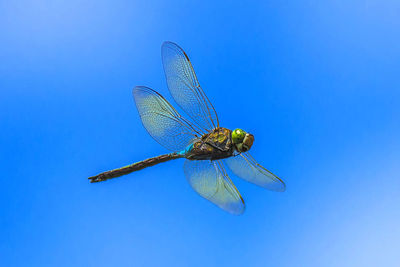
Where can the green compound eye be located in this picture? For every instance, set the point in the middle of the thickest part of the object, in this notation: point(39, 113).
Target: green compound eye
point(238, 136)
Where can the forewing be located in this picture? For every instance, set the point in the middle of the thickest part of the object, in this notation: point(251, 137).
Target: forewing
point(162, 121)
point(185, 88)
point(211, 182)
point(245, 166)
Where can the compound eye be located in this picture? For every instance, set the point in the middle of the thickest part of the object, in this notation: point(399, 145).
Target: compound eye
point(238, 136)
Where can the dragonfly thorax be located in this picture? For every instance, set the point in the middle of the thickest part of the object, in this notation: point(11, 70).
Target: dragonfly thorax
point(214, 145)
point(218, 144)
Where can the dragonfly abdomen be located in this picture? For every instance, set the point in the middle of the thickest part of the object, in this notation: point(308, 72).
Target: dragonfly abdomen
point(134, 167)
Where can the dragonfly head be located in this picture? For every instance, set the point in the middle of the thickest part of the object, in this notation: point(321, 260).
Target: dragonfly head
point(242, 140)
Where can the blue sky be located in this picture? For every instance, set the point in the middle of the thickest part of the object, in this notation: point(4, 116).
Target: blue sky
point(317, 83)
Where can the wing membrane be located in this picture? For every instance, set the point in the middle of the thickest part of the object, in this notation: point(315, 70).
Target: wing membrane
point(162, 121)
point(209, 180)
point(185, 88)
point(246, 167)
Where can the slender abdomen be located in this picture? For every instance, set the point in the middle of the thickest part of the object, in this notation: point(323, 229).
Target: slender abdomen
point(133, 167)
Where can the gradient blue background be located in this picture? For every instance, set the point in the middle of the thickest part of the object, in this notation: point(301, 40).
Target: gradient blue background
point(316, 82)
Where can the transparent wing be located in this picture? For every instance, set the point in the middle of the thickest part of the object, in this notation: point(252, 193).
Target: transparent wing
point(246, 167)
point(185, 88)
point(209, 179)
point(162, 121)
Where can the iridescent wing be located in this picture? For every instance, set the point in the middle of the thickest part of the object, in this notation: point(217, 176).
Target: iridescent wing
point(209, 180)
point(245, 166)
point(185, 88)
point(162, 121)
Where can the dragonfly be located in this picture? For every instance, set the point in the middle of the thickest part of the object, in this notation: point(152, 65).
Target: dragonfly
point(208, 148)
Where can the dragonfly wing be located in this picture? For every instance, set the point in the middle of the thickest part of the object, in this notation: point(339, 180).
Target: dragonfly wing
point(185, 88)
point(162, 121)
point(209, 180)
point(246, 167)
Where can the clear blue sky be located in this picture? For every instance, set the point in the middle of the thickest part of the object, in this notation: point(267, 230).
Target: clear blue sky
point(317, 83)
